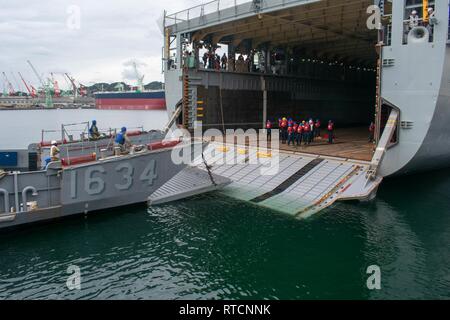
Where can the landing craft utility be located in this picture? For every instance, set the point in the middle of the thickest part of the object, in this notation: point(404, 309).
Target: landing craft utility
point(59, 179)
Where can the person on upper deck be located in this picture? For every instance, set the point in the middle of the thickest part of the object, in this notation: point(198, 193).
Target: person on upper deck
point(224, 61)
point(432, 21)
point(205, 60)
point(413, 20)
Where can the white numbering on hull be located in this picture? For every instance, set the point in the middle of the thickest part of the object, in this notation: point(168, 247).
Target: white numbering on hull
point(94, 184)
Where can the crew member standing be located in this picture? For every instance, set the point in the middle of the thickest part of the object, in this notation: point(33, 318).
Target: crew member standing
point(299, 135)
point(306, 133)
point(330, 132)
point(122, 141)
point(413, 20)
point(205, 60)
point(280, 122)
point(284, 126)
point(224, 61)
point(431, 22)
point(290, 135)
point(93, 131)
point(372, 132)
point(54, 152)
point(269, 130)
point(317, 128)
point(312, 128)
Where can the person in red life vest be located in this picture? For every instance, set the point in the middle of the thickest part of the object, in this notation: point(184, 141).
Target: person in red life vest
point(290, 122)
point(280, 121)
point(290, 135)
point(306, 133)
point(372, 132)
point(295, 127)
point(299, 135)
point(269, 130)
point(317, 128)
point(330, 132)
point(284, 127)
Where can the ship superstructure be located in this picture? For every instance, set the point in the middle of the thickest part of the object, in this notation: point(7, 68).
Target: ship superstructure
point(350, 61)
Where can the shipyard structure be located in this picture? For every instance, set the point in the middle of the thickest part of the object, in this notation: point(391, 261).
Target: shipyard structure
point(352, 62)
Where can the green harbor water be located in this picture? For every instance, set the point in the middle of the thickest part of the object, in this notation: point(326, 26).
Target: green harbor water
point(213, 247)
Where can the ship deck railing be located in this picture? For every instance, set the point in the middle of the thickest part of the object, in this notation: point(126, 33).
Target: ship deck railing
point(221, 10)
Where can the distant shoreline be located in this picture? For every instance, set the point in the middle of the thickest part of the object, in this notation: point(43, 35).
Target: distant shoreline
point(42, 108)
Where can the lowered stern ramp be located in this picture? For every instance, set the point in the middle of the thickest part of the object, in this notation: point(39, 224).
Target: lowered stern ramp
point(302, 185)
point(294, 183)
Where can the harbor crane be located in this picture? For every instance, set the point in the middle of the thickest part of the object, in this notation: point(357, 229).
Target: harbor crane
point(56, 89)
point(37, 74)
point(46, 87)
point(17, 83)
point(32, 90)
point(74, 85)
point(8, 83)
point(81, 90)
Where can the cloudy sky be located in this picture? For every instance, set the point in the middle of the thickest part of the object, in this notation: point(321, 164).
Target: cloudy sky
point(96, 47)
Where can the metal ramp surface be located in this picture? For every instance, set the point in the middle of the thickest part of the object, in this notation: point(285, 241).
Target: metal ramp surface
point(304, 184)
point(301, 185)
point(189, 182)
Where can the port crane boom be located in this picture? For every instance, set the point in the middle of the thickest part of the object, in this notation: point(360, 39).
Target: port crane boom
point(16, 82)
point(74, 85)
point(32, 94)
point(36, 74)
point(10, 86)
point(56, 89)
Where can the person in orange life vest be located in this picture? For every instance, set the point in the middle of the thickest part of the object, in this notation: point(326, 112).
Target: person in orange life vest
point(290, 135)
point(372, 132)
point(299, 135)
point(269, 130)
point(317, 128)
point(284, 127)
point(306, 133)
point(330, 132)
